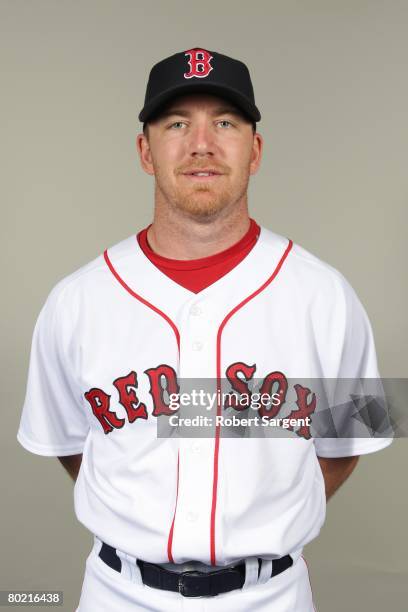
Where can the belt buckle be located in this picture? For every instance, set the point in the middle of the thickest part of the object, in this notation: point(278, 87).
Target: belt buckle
point(185, 589)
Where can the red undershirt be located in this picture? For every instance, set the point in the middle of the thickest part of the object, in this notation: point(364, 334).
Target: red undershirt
point(197, 274)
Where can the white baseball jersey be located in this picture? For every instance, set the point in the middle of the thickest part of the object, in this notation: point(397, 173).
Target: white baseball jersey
point(108, 334)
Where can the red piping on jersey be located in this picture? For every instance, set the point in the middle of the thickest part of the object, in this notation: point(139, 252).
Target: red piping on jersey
point(217, 429)
point(170, 538)
point(177, 334)
point(139, 297)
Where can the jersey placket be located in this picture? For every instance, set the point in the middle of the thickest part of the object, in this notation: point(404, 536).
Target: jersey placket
point(196, 453)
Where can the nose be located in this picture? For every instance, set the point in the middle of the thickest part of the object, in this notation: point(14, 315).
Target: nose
point(202, 139)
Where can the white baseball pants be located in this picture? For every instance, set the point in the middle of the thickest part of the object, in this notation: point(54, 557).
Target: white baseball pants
point(106, 590)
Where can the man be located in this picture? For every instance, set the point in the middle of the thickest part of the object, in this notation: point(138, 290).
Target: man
point(182, 522)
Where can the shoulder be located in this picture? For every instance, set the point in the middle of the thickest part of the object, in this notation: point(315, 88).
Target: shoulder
point(87, 281)
point(306, 271)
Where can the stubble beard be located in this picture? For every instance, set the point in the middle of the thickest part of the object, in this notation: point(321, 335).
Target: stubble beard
point(202, 202)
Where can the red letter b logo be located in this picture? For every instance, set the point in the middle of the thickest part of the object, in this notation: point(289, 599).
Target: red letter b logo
point(199, 63)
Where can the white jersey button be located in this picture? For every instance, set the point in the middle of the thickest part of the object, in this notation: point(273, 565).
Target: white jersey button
point(196, 310)
point(192, 517)
point(197, 345)
point(195, 448)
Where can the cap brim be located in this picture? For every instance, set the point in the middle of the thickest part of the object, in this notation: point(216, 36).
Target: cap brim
point(229, 93)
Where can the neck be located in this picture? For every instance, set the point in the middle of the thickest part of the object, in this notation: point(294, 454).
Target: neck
point(177, 235)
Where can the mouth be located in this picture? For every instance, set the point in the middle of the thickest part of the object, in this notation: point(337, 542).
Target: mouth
point(202, 175)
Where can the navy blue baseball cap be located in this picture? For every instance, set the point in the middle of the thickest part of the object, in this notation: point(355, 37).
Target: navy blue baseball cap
point(199, 71)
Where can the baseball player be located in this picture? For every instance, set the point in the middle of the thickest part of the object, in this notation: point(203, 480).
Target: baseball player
point(189, 522)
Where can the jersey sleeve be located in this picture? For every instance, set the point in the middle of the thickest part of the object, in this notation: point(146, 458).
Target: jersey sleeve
point(53, 422)
point(358, 360)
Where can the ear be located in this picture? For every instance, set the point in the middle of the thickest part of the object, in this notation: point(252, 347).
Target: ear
point(256, 153)
point(145, 155)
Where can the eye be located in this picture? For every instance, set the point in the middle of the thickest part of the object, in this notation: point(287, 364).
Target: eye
point(177, 123)
point(225, 121)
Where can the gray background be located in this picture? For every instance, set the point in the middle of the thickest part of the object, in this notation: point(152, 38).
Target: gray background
point(330, 80)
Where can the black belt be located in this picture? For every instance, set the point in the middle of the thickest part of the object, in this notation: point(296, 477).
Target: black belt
point(191, 583)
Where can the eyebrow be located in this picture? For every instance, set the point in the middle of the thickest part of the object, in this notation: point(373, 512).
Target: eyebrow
point(222, 110)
